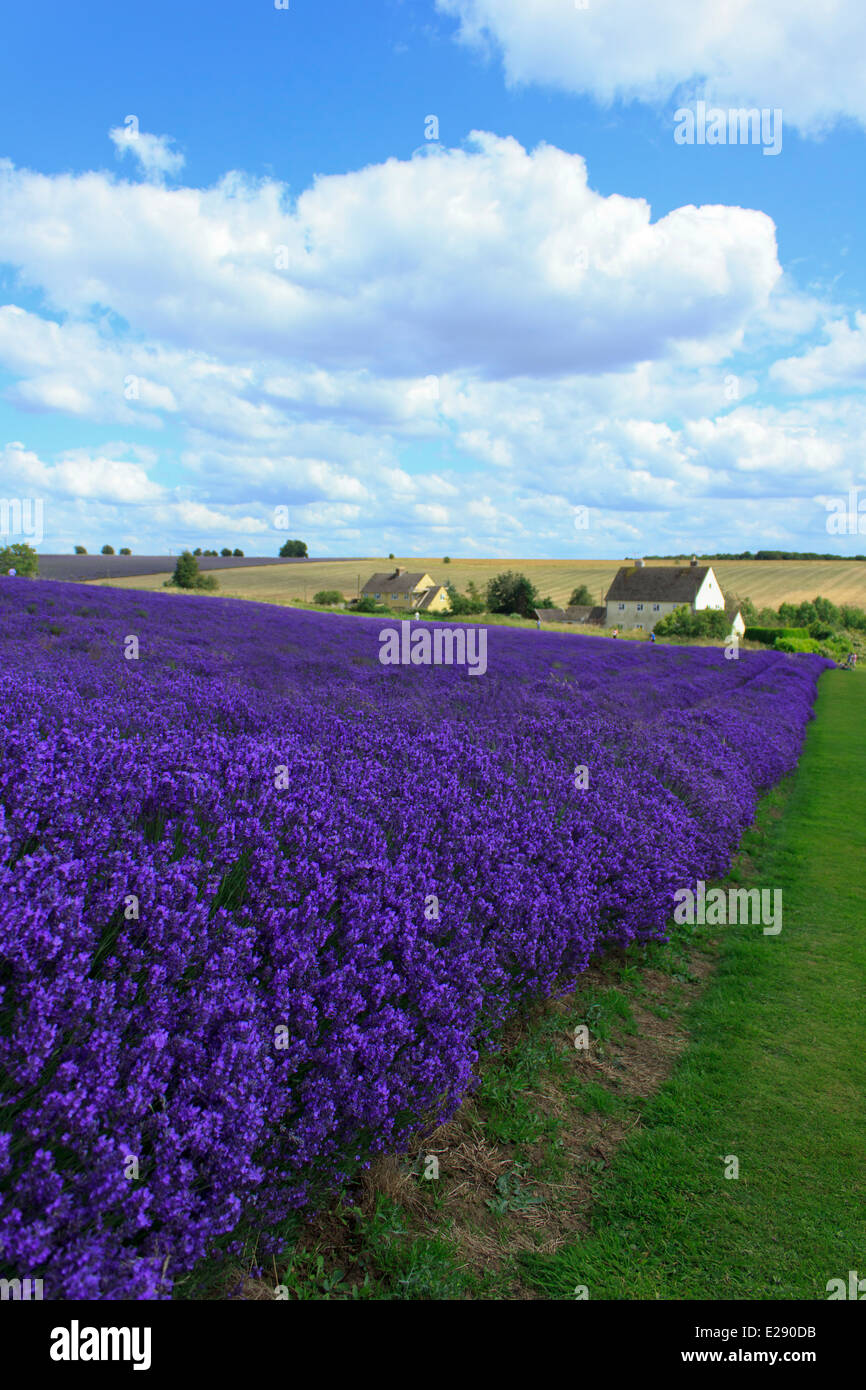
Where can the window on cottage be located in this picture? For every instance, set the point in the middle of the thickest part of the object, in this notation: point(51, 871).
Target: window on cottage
point(656, 607)
point(640, 608)
point(622, 607)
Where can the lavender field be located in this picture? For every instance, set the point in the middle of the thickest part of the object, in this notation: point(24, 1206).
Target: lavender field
point(264, 901)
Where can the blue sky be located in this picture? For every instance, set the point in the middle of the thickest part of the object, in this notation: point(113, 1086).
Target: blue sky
point(272, 289)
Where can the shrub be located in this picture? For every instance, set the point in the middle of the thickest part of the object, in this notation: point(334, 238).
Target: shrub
point(768, 617)
point(708, 622)
point(747, 609)
point(769, 635)
point(580, 597)
point(21, 558)
point(463, 605)
point(836, 648)
point(853, 618)
point(328, 596)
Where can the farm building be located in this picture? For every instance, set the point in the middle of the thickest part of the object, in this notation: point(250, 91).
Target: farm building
point(738, 622)
point(400, 589)
point(434, 600)
point(572, 613)
point(640, 595)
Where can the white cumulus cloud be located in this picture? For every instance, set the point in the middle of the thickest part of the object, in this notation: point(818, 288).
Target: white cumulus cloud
point(807, 59)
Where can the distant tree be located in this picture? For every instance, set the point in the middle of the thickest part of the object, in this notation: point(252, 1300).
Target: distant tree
point(239, 553)
point(124, 551)
point(293, 550)
point(107, 550)
point(854, 618)
point(80, 550)
point(197, 550)
point(210, 552)
point(446, 559)
point(747, 608)
point(581, 597)
point(225, 552)
point(328, 596)
point(185, 571)
point(21, 558)
point(707, 622)
point(186, 574)
point(826, 610)
point(390, 555)
point(511, 593)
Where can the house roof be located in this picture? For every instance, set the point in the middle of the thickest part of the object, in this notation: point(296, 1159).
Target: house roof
point(428, 596)
point(395, 582)
point(658, 583)
point(574, 613)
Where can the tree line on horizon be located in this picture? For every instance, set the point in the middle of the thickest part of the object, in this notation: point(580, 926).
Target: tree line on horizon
point(763, 555)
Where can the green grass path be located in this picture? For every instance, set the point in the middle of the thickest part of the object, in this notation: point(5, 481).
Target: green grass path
point(775, 1074)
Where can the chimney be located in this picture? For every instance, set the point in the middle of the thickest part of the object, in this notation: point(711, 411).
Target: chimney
point(399, 570)
point(640, 564)
point(694, 559)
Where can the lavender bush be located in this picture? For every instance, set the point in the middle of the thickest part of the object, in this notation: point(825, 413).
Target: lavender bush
point(220, 954)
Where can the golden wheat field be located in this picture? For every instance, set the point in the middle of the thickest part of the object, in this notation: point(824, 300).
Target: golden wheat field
point(766, 582)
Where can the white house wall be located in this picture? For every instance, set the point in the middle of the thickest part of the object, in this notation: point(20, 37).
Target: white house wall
point(709, 595)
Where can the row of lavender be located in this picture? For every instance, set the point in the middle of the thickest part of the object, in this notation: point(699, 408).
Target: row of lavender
point(264, 899)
